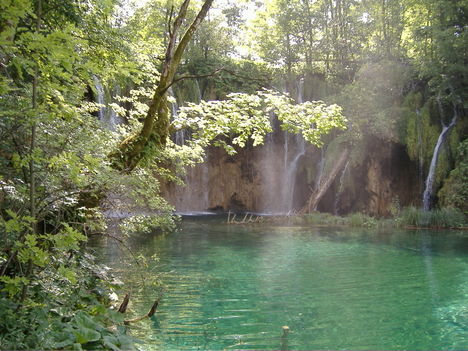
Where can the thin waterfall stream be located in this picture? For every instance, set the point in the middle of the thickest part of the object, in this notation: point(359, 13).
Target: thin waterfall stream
point(428, 191)
point(340, 190)
point(106, 113)
point(288, 187)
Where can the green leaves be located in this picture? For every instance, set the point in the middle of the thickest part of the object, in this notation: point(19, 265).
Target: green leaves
point(120, 342)
point(28, 250)
point(13, 285)
point(84, 333)
point(90, 334)
point(85, 329)
point(16, 224)
point(243, 117)
point(311, 118)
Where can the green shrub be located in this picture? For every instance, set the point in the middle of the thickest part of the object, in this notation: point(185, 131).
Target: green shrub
point(411, 216)
point(66, 308)
point(439, 218)
point(446, 218)
point(320, 218)
point(356, 219)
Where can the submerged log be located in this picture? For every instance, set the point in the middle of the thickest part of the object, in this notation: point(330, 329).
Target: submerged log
point(325, 182)
point(124, 305)
point(152, 310)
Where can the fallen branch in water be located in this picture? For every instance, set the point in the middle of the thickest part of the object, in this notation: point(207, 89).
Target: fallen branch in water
point(124, 305)
point(245, 220)
point(152, 310)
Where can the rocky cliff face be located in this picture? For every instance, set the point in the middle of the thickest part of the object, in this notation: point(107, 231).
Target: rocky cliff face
point(252, 180)
point(389, 167)
point(385, 176)
point(280, 176)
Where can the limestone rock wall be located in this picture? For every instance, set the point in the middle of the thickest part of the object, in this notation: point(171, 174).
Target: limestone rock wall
point(275, 178)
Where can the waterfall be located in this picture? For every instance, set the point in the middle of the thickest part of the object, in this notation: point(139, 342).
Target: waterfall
point(300, 91)
point(340, 190)
point(294, 147)
point(288, 185)
point(427, 195)
point(100, 98)
point(179, 136)
point(106, 114)
point(269, 166)
point(174, 105)
point(199, 95)
point(319, 175)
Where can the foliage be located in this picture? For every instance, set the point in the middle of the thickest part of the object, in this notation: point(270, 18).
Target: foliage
point(219, 76)
point(57, 183)
point(455, 190)
point(438, 44)
point(244, 116)
point(372, 101)
point(50, 137)
point(395, 207)
point(319, 218)
point(68, 310)
point(362, 220)
point(356, 219)
point(439, 218)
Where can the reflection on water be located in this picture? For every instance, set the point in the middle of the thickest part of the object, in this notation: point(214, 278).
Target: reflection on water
point(235, 287)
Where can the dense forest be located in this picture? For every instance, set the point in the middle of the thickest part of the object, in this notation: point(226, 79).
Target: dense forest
point(89, 128)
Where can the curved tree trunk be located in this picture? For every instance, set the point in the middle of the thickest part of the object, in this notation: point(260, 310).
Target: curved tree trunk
point(156, 127)
point(325, 182)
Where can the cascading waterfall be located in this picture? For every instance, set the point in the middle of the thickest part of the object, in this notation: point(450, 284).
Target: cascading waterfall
point(100, 97)
point(199, 95)
point(300, 91)
point(266, 183)
point(321, 165)
point(194, 196)
point(319, 175)
point(179, 137)
point(294, 148)
point(174, 104)
point(340, 190)
point(106, 114)
point(291, 160)
point(270, 166)
point(427, 195)
point(288, 185)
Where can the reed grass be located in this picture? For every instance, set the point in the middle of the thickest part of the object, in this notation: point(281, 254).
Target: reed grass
point(356, 219)
point(320, 218)
point(438, 218)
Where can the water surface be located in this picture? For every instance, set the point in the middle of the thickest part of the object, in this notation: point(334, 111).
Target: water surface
point(234, 287)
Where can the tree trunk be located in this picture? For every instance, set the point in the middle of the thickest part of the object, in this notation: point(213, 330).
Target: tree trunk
point(157, 125)
point(32, 173)
point(325, 182)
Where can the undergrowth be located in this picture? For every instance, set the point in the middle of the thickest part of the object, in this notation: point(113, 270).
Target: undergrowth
point(437, 218)
point(63, 313)
point(404, 217)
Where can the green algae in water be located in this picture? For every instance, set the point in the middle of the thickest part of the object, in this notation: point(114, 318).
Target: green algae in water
point(235, 287)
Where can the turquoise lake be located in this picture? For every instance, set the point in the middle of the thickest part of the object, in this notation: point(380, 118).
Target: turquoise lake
point(234, 287)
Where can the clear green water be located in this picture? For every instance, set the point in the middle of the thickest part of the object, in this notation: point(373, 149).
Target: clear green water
point(234, 287)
